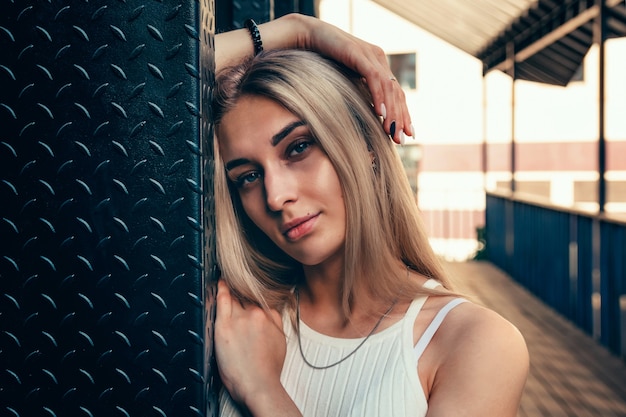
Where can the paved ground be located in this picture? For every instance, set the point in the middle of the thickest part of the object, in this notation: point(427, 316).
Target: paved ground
point(571, 375)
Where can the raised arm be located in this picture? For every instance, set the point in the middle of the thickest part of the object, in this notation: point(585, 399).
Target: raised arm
point(305, 32)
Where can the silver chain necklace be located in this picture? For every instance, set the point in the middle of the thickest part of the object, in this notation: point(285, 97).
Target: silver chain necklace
point(380, 320)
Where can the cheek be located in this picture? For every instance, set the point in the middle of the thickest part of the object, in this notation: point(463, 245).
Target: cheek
point(253, 208)
point(246, 203)
point(329, 182)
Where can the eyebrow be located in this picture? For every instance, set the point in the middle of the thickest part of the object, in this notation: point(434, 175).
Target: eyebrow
point(286, 131)
point(276, 139)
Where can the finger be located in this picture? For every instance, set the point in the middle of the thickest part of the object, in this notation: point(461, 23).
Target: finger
point(408, 123)
point(387, 95)
point(365, 59)
point(223, 300)
point(404, 127)
point(392, 118)
point(394, 123)
point(385, 102)
point(400, 113)
point(389, 99)
point(404, 119)
point(374, 83)
point(375, 73)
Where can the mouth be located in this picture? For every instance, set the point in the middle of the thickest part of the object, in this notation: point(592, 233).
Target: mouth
point(299, 227)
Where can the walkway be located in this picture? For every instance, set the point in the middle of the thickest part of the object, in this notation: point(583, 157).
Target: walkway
point(571, 375)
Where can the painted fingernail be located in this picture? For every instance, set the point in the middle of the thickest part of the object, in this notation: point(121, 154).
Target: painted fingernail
point(392, 129)
point(412, 131)
point(402, 138)
point(383, 110)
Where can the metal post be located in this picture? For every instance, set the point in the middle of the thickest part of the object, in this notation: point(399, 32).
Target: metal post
point(102, 303)
point(510, 52)
point(485, 127)
point(600, 29)
point(283, 7)
point(259, 10)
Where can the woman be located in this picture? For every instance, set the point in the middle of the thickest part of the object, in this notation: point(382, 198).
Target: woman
point(306, 32)
point(332, 302)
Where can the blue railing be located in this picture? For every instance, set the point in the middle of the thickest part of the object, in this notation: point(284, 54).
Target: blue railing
point(573, 261)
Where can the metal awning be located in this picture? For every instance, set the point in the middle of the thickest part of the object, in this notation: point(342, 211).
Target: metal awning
point(547, 39)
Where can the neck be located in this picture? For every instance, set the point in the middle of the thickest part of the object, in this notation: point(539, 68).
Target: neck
point(321, 303)
point(323, 283)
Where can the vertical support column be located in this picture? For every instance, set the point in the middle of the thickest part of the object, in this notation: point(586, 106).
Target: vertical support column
point(600, 35)
point(484, 147)
point(259, 10)
point(232, 14)
point(510, 52)
point(101, 222)
point(207, 29)
point(309, 7)
point(283, 7)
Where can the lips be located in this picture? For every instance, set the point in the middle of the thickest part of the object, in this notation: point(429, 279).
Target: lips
point(299, 227)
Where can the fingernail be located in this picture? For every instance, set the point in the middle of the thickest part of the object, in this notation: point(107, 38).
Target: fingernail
point(392, 129)
point(412, 131)
point(402, 138)
point(383, 110)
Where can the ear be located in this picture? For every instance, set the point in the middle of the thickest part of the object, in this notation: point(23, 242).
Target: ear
point(373, 160)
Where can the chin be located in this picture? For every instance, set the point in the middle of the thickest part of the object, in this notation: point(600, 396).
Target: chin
point(314, 259)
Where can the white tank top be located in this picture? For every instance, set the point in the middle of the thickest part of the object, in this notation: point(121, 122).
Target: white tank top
point(379, 379)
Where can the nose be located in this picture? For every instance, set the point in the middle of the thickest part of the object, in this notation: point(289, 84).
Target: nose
point(280, 188)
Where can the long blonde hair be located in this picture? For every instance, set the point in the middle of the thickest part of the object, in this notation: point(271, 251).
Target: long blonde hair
point(382, 221)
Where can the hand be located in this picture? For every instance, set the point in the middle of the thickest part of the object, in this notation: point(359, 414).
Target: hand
point(305, 32)
point(367, 60)
point(250, 349)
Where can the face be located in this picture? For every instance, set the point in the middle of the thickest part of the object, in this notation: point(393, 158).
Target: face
point(287, 185)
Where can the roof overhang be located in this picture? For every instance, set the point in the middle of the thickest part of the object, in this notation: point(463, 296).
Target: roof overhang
point(547, 40)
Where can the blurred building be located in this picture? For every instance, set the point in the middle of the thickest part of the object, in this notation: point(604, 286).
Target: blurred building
point(465, 124)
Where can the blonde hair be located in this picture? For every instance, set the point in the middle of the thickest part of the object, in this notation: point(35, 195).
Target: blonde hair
point(382, 221)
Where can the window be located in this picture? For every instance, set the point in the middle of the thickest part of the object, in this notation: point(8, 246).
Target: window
point(403, 67)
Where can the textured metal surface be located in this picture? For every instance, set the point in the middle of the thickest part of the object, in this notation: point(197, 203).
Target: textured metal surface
point(102, 305)
point(231, 14)
point(207, 79)
point(259, 10)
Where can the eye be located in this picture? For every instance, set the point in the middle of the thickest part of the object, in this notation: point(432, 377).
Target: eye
point(247, 179)
point(298, 147)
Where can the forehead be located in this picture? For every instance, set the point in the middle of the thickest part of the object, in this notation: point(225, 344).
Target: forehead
point(254, 120)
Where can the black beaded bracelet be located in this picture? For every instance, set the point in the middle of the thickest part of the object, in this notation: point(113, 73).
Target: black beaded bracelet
point(255, 34)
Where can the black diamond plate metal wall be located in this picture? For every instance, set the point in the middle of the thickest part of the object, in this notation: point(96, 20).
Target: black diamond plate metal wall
point(102, 216)
point(231, 14)
point(259, 10)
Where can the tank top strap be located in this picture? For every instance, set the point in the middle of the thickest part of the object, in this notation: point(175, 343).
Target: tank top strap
point(434, 325)
point(431, 284)
point(413, 311)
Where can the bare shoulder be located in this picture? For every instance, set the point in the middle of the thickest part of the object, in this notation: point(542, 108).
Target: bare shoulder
point(473, 331)
point(472, 320)
point(481, 359)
